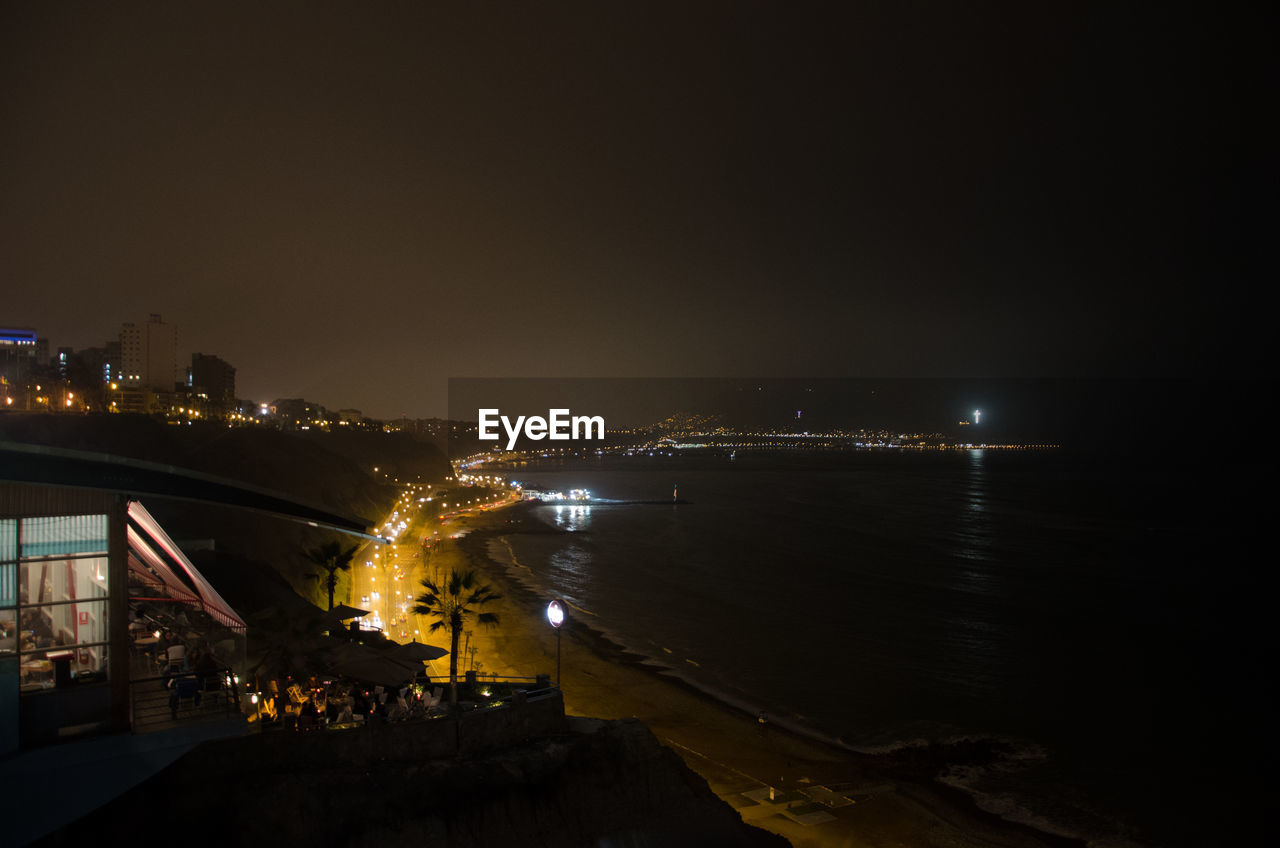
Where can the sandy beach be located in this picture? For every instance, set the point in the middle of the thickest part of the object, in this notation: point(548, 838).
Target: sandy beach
point(895, 801)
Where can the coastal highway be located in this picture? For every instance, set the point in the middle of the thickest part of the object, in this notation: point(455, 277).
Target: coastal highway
point(387, 577)
point(381, 579)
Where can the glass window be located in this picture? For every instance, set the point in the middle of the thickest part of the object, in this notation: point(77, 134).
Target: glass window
point(39, 670)
point(8, 631)
point(8, 572)
point(60, 535)
point(62, 625)
point(52, 581)
point(8, 585)
point(54, 584)
point(8, 538)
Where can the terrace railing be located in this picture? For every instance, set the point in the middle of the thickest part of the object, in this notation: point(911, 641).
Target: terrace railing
point(165, 701)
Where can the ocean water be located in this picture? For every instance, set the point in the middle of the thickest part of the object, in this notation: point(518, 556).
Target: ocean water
point(1100, 617)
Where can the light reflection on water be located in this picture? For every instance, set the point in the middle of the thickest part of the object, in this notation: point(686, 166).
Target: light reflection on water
point(572, 517)
point(570, 569)
point(977, 490)
point(974, 533)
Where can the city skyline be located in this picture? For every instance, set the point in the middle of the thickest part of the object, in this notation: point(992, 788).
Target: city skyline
point(353, 207)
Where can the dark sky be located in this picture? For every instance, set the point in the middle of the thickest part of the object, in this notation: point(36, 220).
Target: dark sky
point(353, 202)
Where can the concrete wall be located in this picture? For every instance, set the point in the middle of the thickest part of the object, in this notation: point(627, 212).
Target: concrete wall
point(495, 728)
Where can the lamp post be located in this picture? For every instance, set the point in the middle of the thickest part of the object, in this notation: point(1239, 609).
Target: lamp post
point(555, 615)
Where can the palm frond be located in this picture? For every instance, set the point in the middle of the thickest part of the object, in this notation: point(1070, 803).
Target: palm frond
point(484, 595)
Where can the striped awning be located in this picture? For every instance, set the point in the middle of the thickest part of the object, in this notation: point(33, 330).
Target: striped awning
point(157, 561)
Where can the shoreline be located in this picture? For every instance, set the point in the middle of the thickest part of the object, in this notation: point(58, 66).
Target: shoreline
point(897, 798)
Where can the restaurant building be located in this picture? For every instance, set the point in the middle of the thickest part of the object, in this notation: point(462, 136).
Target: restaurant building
point(90, 583)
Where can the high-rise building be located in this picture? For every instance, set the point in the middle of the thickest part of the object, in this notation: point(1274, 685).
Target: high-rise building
point(63, 363)
point(149, 355)
point(19, 361)
point(215, 379)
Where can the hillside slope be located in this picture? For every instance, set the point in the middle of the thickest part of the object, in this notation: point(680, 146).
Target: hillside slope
point(334, 471)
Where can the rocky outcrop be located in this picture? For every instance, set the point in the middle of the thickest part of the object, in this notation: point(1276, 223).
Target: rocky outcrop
point(601, 783)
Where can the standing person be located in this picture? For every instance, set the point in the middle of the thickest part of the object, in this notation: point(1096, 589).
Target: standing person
point(332, 703)
point(308, 715)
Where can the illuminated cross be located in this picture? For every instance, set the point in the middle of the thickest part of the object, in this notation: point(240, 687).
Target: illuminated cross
point(977, 416)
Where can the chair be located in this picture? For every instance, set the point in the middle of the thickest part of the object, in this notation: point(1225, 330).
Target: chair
point(187, 688)
point(177, 657)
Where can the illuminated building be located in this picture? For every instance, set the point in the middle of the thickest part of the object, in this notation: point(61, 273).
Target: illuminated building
point(149, 355)
point(86, 573)
point(19, 357)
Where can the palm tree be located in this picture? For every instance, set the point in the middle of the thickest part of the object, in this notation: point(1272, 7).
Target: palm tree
point(330, 558)
point(286, 644)
point(451, 603)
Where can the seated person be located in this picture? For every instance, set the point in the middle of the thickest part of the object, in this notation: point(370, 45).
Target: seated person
point(40, 627)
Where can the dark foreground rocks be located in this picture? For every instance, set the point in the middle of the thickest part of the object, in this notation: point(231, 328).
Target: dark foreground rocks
point(600, 784)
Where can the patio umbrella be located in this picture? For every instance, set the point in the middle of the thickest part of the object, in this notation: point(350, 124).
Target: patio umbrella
point(363, 663)
point(342, 612)
point(419, 652)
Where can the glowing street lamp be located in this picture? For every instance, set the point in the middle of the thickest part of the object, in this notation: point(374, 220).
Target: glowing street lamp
point(555, 615)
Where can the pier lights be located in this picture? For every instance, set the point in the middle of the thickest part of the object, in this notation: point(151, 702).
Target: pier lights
point(555, 615)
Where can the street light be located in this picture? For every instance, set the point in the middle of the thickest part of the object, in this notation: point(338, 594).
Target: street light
point(555, 615)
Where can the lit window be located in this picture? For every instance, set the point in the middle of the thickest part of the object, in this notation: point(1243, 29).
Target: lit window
point(54, 595)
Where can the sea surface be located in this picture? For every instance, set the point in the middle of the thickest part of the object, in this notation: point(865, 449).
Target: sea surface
point(1100, 617)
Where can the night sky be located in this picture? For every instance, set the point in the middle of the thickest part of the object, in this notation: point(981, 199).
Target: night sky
point(354, 202)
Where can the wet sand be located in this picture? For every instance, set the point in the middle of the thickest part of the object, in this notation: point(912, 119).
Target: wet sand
point(895, 800)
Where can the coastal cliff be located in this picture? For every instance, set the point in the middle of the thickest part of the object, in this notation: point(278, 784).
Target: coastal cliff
point(597, 783)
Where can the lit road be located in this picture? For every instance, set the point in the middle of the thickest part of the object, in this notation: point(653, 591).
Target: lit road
point(387, 577)
point(383, 574)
